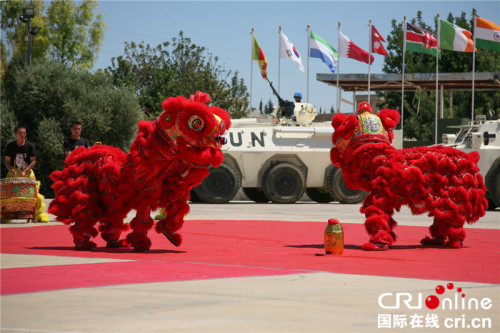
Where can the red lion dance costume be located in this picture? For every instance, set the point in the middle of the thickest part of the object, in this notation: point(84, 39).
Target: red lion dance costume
point(168, 158)
point(442, 181)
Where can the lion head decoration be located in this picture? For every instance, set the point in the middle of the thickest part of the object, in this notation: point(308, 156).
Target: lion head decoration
point(356, 136)
point(194, 129)
point(353, 131)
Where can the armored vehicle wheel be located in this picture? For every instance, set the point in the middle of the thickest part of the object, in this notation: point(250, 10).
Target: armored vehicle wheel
point(319, 194)
point(339, 191)
point(255, 194)
point(493, 186)
point(193, 197)
point(220, 186)
point(284, 182)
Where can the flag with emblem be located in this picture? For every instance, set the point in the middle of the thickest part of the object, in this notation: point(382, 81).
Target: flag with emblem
point(487, 35)
point(377, 40)
point(259, 56)
point(288, 50)
point(420, 40)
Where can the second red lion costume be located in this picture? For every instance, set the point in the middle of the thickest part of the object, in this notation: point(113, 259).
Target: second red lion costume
point(441, 181)
point(167, 159)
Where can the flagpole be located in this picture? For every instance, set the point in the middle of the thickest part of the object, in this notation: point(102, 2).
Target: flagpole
point(279, 61)
point(251, 69)
point(403, 82)
point(473, 68)
point(338, 70)
point(437, 79)
point(369, 56)
point(308, 53)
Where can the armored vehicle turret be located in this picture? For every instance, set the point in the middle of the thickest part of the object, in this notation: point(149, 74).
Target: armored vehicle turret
point(278, 162)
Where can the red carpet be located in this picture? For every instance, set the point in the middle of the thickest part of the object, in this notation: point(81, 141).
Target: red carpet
point(31, 279)
point(213, 249)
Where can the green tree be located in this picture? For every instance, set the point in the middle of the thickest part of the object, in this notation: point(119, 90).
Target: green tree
point(47, 96)
point(71, 34)
point(75, 33)
point(8, 124)
point(177, 68)
point(419, 107)
point(268, 109)
point(14, 32)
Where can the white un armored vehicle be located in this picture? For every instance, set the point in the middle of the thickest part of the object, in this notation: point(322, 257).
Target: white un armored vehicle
point(278, 162)
point(482, 136)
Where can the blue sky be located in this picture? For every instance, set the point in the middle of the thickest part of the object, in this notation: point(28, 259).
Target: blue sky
point(224, 27)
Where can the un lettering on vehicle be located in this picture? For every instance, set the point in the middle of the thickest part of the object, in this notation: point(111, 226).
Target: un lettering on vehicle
point(256, 139)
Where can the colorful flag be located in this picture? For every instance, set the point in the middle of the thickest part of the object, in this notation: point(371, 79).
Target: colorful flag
point(487, 35)
point(420, 40)
point(259, 56)
point(452, 37)
point(350, 50)
point(377, 40)
point(287, 50)
point(319, 48)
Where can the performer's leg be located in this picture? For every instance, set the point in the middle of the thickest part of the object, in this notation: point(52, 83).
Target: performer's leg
point(456, 236)
point(446, 231)
point(140, 225)
point(82, 230)
point(438, 237)
point(379, 223)
point(111, 229)
point(169, 226)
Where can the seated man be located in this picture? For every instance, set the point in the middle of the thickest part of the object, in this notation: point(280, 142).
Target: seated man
point(20, 159)
point(298, 97)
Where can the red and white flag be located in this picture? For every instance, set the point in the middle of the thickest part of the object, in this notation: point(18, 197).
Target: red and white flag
point(350, 50)
point(377, 40)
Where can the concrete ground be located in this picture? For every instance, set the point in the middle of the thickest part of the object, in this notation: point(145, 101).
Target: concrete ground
point(307, 302)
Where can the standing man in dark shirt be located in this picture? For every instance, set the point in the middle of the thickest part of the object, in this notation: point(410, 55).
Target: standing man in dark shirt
point(75, 140)
point(20, 155)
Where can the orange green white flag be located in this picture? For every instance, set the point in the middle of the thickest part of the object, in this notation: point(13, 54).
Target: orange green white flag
point(259, 56)
point(487, 35)
point(454, 38)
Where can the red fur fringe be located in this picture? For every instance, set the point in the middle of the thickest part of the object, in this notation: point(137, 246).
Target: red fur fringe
point(102, 184)
point(441, 181)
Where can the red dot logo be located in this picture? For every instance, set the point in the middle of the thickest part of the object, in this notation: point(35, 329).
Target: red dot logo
point(432, 302)
point(450, 286)
point(440, 290)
